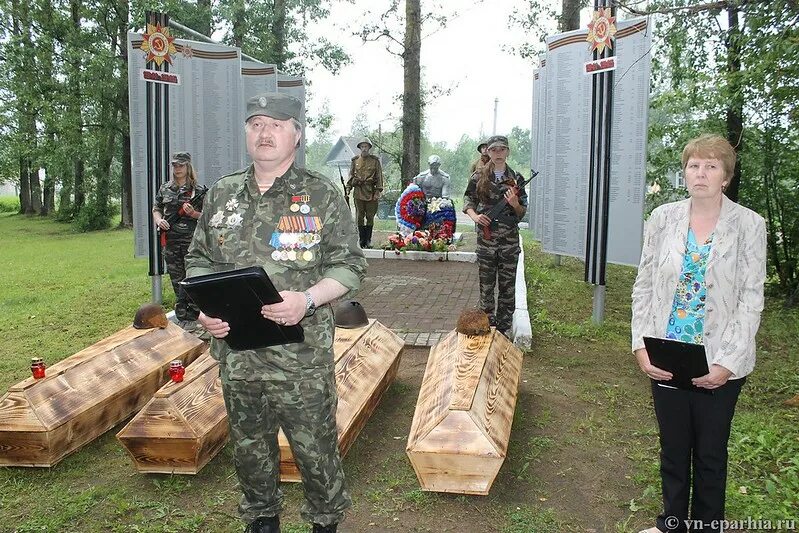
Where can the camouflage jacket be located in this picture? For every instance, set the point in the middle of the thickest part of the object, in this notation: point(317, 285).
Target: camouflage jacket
point(299, 231)
point(507, 225)
point(366, 178)
point(168, 201)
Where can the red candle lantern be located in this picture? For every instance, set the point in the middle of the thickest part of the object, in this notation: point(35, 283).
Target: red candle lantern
point(37, 367)
point(176, 370)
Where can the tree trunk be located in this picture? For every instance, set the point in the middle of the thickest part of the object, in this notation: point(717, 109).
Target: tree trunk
point(411, 97)
point(124, 123)
point(25, 207)
point(76, 114)
point(36, 189)
point(734, 98)
point(204, 6)
point(48, 205)
point(570, 15)
point(279, 34)
point(238, 22)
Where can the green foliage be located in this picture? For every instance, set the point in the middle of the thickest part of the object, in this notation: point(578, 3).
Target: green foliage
point(95, 216)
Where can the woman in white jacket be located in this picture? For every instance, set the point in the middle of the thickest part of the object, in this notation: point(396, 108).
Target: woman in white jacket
point(700, 281)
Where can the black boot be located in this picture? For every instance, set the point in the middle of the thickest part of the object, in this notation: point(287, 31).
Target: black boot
point(362, 236)
point(264, 524)
point(324, 529)
point(367, 234)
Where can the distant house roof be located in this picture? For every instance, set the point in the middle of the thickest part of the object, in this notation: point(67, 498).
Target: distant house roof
point(343, 151)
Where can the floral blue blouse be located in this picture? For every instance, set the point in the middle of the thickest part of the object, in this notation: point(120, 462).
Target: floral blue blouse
point(687, 319)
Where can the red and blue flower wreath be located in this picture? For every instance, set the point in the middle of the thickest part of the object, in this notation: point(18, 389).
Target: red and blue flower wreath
point(410, 209)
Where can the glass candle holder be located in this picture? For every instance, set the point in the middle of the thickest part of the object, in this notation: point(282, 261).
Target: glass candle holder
point(176, 371)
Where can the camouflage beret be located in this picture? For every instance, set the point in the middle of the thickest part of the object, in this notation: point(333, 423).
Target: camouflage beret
point(498, 141)
point(275, 105)
point(181, 158)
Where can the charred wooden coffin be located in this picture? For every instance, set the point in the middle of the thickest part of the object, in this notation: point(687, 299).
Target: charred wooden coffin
point(185, 424)
point(85, 395)
point(461, 426)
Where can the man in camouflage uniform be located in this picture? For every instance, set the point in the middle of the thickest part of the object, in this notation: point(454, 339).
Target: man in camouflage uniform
point(366, 184)
point(296, 225)
point(498, 248)
point(172, 202)
point(434, 182)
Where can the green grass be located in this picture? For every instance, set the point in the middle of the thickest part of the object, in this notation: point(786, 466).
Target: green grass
point(583, 452)
point(9, 204)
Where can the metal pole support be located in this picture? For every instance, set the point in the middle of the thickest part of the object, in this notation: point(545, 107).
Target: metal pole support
point(599, 305)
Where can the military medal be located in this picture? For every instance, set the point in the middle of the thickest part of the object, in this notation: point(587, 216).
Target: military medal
point(276, 255)
point(307, 255)
point(284, 255)
point(305, 208)
point(292, 255)
point(295, 206)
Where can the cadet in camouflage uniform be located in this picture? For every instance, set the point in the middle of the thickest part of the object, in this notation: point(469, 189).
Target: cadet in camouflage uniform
point(172, 200)
point(296, 225)
point(366, 184)
point(497, 255)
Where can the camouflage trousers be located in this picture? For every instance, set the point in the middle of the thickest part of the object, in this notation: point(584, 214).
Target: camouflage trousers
point(175, 256)
point(365, 211)
point(305, 408)
point(496, 260)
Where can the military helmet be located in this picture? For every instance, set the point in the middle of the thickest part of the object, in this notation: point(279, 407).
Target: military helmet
point(150, 316)
point(363, 140)
point(350, 314)
point(433, 159)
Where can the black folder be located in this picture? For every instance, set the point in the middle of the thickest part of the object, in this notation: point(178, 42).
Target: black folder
point(684, 360)
point(236, 296)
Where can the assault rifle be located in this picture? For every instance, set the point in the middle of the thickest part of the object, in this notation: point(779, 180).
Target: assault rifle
point(196, 202)
point(344, 185)
point(494, 212)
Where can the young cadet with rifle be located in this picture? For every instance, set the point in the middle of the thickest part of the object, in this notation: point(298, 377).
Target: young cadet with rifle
point(496, 201)
point(177, 207)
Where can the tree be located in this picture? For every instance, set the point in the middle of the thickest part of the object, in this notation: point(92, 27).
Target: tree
point(408, 49)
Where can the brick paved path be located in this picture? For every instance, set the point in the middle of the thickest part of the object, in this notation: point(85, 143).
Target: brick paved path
point(419, 300)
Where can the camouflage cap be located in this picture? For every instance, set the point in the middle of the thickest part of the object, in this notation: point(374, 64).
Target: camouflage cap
point(482, 145)
point(275, 105)
point(364, 140)
point(497, 141)
point(181, 158)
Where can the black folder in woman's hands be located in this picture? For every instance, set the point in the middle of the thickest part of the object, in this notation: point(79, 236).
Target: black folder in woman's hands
point(684, 360)
point(236, 297)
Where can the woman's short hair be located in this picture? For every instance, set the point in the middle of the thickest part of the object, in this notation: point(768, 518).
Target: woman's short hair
point(711, 146)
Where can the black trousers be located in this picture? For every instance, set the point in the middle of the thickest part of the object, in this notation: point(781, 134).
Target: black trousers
point(694, 430)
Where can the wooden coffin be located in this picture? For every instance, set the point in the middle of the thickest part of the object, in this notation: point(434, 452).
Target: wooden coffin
point(461, 426)
point(367, 359)
point(86, 394)
point(183, 426)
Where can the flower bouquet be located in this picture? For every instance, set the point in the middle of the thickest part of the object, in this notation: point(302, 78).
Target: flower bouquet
point(420, 241)
point(440, 218)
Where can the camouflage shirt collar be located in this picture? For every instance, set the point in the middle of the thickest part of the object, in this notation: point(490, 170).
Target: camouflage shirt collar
point(289, 180)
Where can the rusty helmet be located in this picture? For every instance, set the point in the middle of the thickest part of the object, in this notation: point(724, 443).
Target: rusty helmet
point(150, 316)
point(350, 314)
